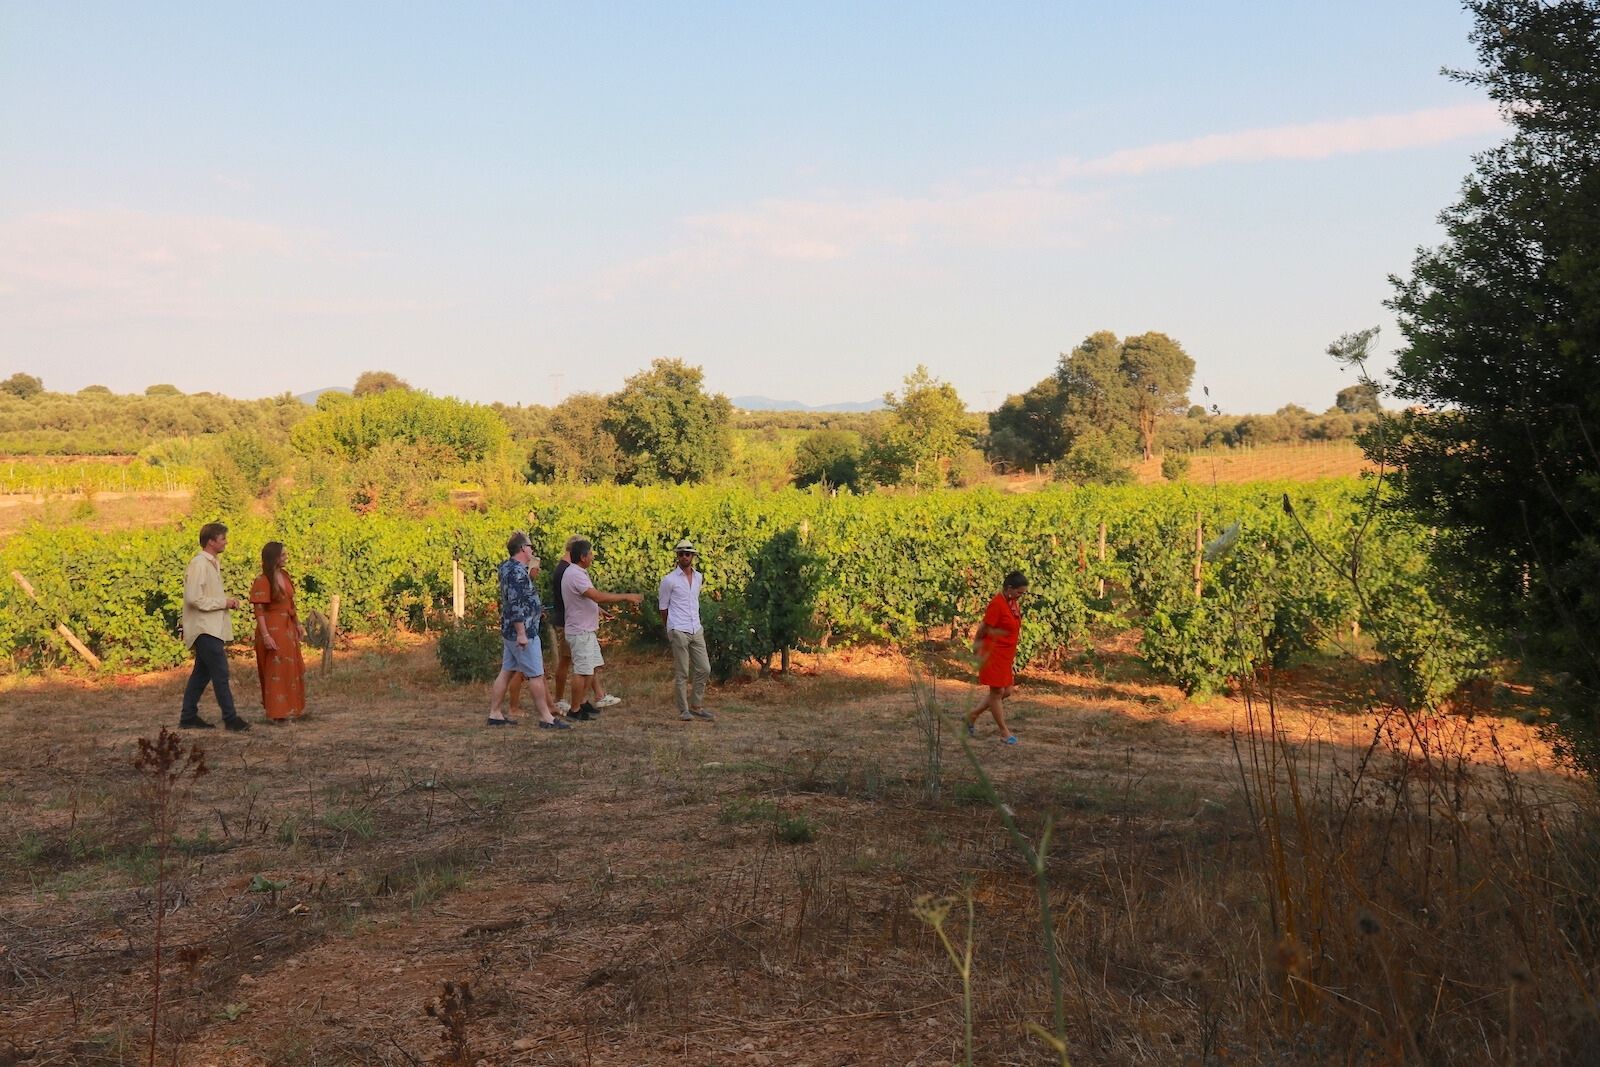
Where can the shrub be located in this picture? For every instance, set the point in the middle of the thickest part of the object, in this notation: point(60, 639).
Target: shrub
point(470, 649)
point(1174, 466)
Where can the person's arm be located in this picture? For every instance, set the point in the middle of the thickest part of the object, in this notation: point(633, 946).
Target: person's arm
point(600, 597)
point(663, 593)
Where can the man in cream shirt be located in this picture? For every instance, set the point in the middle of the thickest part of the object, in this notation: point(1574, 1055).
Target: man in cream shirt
point(207, 628)
point(679, 601)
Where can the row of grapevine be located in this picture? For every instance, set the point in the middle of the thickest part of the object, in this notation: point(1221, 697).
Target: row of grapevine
point(880, 568)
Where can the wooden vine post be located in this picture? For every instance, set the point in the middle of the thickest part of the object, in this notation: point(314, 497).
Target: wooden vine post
point(61, 628)
point(333, 634)
point(1199, 552)
point(458, 587)
point(1101, 584)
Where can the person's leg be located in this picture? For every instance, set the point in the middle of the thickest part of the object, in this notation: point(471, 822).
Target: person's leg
point(997, 707)
point(497, 693)
point(563, 664)
point(678, 642)
point(977, 712)
point(199, 678)
point(514, 693)
point(215, 654)
point(580, 689)
point(700, 663)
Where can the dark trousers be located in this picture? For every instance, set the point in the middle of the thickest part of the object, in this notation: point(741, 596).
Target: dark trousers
point(210, 668)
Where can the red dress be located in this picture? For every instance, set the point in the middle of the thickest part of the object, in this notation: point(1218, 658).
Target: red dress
point(283, 672)
point(1000, 646)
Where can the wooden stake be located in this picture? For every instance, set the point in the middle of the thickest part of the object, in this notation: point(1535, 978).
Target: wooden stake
point(458, 589)
point(1199, 552)
point(61, 628)
point(333, 634)
point(1102, 583)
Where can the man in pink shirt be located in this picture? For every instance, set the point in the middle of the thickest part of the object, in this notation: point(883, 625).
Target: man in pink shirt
point(582, 601)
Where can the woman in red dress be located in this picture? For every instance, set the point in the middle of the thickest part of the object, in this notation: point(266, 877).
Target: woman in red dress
point(278, 637)
point(995, 644)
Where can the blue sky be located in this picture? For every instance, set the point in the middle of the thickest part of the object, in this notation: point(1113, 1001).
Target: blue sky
point(521, 201)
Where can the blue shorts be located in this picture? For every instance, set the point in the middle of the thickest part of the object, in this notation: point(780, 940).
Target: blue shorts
point(528, 662)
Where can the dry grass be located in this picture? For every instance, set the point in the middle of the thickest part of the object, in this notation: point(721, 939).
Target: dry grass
point(624, 893)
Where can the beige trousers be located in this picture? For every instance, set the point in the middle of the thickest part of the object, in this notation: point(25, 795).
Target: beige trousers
point(689, 650)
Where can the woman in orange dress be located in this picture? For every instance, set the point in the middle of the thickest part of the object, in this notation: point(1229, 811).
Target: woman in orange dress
point(996, 645)
point(278, 637)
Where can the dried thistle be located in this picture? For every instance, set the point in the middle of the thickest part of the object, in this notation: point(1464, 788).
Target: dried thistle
point(453, 1010)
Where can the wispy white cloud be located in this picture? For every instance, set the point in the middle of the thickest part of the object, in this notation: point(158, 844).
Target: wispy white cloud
point(1063, 203)
point(799, 231)
point(120, 262)
point(1304, 141)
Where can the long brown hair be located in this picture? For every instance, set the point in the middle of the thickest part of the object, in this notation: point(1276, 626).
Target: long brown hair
point(272, 566)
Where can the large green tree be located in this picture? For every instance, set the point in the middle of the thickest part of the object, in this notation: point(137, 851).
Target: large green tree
point(1116, 392)
point(927, 430)
point(668, 428)
point(1502, 354)
point(576, 446)
point(1157, 372)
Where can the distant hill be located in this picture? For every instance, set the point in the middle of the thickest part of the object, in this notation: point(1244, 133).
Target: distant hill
point(766, 403)
point(311, 397)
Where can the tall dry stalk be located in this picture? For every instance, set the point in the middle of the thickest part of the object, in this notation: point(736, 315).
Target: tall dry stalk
point(930, 725)
point(168, 768)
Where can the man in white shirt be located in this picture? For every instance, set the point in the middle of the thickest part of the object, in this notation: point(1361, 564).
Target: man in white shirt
point(679, 600)
point(207, 628)
point(582, 601)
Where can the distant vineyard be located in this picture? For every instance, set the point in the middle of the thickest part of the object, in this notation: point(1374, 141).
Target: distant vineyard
point(1299, 461)
point(41, 476)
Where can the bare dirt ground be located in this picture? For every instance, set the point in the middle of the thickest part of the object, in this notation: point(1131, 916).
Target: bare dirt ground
point(638, 890)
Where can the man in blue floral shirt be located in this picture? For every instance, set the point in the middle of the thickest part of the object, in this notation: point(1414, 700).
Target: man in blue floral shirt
point(522, 653)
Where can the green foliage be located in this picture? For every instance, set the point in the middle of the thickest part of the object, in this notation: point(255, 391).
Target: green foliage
point(463, 433)
point(1501, 323)
point(828, 457)
point(470, 650)
point(1119, 391)
point(667, 428)
point(102, 423)
point(22, 386)
point(780, 597)
point(1175, 466)
point(575, 445)
point(1027, 429)
point(1094, 459)
point(927, 430)
point(1354, 399)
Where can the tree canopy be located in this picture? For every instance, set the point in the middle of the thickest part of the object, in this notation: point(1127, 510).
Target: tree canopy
point(1121, 391)
point(1502, 349)
point(22, 385)
point(926, 431)
point(668, 428)
point(372, 382)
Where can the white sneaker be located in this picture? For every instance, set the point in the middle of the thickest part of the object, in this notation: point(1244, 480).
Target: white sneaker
point(563, 706)
point(608, 700)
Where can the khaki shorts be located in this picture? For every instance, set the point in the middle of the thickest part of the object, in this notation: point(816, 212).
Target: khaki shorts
point(585, 653)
